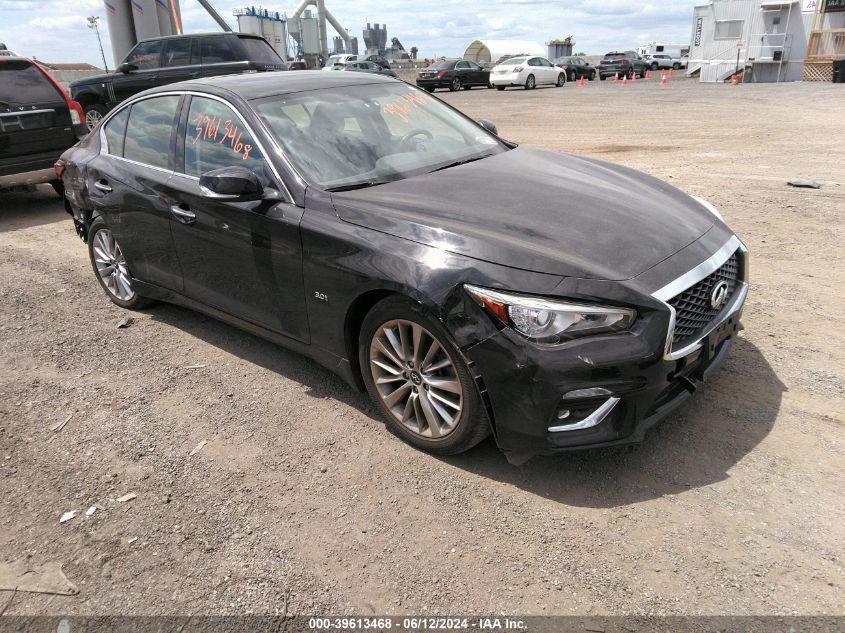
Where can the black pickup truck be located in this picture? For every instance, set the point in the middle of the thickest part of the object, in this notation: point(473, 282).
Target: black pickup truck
point(166, 60)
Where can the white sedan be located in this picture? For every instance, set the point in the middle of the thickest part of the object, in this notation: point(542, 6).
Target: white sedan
point(528, 72)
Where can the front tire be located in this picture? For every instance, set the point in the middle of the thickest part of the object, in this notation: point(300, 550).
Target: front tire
point(676, 66)
point(530, 83)
point(94, 113)
point(429, 88)
point(593, 76)
point(500, 88)
point(561, 80)
point(110, 267)
point(455, 85)
point(419, 380)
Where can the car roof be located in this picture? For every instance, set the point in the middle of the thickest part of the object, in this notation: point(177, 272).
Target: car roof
point(184, 35)
point(259, 85)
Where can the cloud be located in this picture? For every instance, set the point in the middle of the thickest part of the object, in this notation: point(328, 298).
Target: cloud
point(55, 30)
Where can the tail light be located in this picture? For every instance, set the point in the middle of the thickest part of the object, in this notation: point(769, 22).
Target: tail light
point(442, 73)
point(59, 167)
point(518, 69)
point(77, 114)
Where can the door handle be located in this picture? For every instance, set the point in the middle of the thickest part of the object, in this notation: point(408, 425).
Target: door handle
point(103, 186)
point(194, 74)
point(185, 216)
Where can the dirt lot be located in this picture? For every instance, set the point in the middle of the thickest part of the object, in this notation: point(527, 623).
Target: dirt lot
point(300, 499)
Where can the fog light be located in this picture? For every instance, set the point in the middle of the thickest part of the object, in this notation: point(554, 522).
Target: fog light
point(586, 416)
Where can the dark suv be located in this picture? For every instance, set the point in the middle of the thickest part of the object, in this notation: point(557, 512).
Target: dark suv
point(38, 121)
point(166, 60)
point(624, 64)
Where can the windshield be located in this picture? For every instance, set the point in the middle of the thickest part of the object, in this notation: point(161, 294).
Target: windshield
point(331, 61)
point(371, 133)
point(513, 61)
point(21, 83)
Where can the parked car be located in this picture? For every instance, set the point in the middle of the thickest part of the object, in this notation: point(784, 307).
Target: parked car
point(623, 64)
point(528, 72)
point(453, 74)
point(38, 121)
point(378, 59)
point(336, 62)
point(165, 60)
point(576, 67)
point(470, 285)
point(369, 67)
point(299, 64)
point(659, 60)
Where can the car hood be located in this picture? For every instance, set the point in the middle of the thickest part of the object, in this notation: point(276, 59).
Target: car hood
point(93, 79)
point(536, 210)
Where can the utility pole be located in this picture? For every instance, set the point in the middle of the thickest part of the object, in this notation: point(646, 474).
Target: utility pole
point(93, 23)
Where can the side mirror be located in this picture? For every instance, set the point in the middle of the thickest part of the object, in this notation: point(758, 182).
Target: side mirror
point(232, 183)
point(489, 126)
point(126, 68)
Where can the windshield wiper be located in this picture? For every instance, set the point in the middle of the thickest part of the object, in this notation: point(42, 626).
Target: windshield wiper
point(463, 161)
point(358, 185)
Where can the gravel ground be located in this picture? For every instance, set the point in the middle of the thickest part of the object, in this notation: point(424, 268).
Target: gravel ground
point(300, 502)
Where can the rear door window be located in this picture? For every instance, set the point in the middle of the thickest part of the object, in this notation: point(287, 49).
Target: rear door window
point(177, 52)
point(149, 131)
point(21, 83)
point(215, 50)
point(145, 56)
point(115, 130)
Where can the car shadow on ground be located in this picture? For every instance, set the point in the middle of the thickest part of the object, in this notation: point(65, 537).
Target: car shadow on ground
point(694, 447)
point(26, 209)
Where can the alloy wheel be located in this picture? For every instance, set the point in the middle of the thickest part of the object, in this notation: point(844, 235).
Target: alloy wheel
point(92, 118)
point(456, 84)
point(416, 379)
point(111, 266)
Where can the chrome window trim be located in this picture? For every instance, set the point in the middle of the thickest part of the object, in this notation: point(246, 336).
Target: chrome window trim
point(21, 112)
point(196, 93)
point(692, 277)
point(594, 419)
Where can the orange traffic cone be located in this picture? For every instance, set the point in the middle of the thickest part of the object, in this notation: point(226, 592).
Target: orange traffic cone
point(663, 79)
point(671, 72)
point(647, 75)
point(624, 80)
point(615, 77)
point(633, 76)
point(581, 81)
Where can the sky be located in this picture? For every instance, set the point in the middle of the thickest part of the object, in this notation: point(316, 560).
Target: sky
point(56, 31)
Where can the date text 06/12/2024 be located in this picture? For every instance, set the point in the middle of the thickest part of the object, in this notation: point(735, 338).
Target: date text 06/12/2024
point(416, 624)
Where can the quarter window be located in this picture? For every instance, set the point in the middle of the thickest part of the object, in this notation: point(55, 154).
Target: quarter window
point(149, 131)
point(216, 138)
point(146, 55)
point(114, 130)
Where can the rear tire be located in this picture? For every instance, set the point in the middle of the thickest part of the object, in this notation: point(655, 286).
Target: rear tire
point(561, 80)
point(455, 85)
point(530, 83)
point(654, 66)
point(500, 88)
point(676, 66)
point(429, 89)
point(94, 113)
point(419, 380)
point(602, 77)
point(106, 256)
point(592, 76)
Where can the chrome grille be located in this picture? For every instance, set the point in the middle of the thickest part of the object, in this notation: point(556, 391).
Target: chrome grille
point(692, 306)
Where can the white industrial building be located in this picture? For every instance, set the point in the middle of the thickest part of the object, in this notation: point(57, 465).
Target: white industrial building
point(767, 39)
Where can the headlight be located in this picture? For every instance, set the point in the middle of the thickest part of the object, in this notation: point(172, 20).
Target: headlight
point(548, 321)
point(709, 207)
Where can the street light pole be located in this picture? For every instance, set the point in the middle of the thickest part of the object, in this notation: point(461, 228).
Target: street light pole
point(93, 23)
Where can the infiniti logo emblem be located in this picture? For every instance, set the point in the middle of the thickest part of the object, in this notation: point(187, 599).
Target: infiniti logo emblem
point(719, 295)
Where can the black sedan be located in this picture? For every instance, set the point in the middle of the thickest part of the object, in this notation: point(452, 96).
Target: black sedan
point(453, 74)
point(471, 286)
point(576, 67)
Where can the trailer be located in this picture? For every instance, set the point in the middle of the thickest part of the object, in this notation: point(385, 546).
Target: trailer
point(675, 51)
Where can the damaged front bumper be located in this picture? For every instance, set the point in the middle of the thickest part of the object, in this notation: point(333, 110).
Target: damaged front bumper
point(596, 391)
